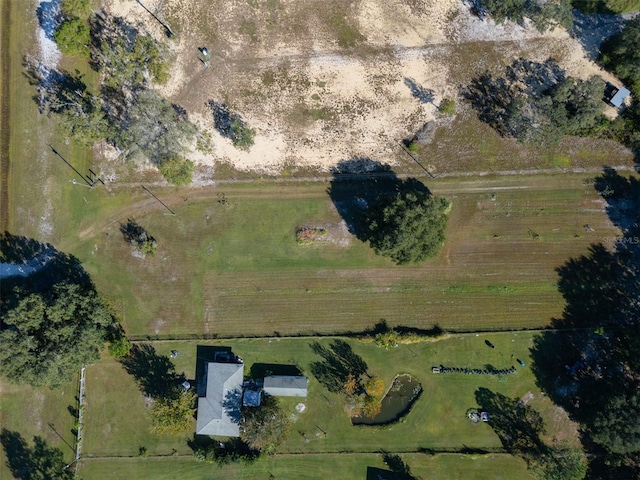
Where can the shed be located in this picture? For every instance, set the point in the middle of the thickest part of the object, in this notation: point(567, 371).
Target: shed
point(286, 385)
point(619, 97)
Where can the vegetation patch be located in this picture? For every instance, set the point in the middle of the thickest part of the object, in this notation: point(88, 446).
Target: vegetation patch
point(307, 235)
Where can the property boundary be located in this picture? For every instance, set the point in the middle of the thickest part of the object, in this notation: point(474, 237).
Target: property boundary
point(5, 111)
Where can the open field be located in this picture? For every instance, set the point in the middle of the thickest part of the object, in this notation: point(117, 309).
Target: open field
point(243, 273)
point(437, 467)
point(116, 409)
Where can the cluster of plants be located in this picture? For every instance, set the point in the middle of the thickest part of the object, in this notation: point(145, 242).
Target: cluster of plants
point(544, 15)
point(53, 321)
point(138, 238)
point(536, 103)
point(363, 398)
point(621, 55)
point(408, 226)
point(125, 112)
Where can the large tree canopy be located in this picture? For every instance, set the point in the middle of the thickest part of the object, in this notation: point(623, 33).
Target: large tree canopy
point(536, 103)
point(543, 14)
point(621, 54)
point(263, 428)
point(408, 226)
point(45, 337)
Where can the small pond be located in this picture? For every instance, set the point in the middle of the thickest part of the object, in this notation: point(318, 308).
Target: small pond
point(404, 391)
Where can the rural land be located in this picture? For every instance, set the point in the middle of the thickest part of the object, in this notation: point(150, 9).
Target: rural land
point(320, 239)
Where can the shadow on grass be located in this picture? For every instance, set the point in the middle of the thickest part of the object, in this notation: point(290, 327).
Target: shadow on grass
point(34, 266)
point(261, 370)
point(591, 367)
point(155, 374)
point(33, 463)
point(358, 185)
point(338, 362)
point(518, 426)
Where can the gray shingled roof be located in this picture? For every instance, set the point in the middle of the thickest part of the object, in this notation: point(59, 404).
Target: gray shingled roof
point(219, 409)
point(285, 386)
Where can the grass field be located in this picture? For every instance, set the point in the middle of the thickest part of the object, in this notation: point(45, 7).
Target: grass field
point(116, 409)
point(244, 274)
point(437, 467)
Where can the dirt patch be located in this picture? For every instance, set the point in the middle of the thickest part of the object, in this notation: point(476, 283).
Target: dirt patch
point(321, 84)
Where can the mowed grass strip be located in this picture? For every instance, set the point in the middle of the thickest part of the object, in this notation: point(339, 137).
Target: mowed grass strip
point(334, 466)
point(117, 422)
point(236, 269)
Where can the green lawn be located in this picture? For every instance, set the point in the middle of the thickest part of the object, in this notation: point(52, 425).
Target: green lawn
point(243, 273)
point(39, 412)
point(437, 467)
point(117, 422)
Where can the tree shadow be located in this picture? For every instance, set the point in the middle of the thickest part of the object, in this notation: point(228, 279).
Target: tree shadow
point(232, 404)
point(589, 366)
point(396, 464)
point(31, 463)
point(593, 29)
point(425, 95)
point(338, 362)
point(155, 374)
point(359, 185)
point(28, 265)
point(260, 370)
point(225, 121)
point(49, 17)
point(517, 425)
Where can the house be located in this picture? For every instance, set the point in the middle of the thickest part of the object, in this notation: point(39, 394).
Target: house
point(619, 97)
point(285, 385)
point(220, 399)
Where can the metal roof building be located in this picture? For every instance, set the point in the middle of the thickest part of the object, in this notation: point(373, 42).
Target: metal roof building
point(620, 96)
point(219, 408)
point(285, 386)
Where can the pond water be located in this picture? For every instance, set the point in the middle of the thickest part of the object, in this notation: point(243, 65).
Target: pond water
point(404, 391)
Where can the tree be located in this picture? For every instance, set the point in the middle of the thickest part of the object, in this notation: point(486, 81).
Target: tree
point(375, 387)
point(351, 384)
point(127, 59)
point(73, 38)
point(120, 348)
point(173, 414)
point(409, 226)
point(621, 54)
point(263, 428)
point(177, 170)
point(241, 135)
point(151, 125)
point(560, 462)
point(136, 236)
point(76, 8)
point(544, 15)
point(371, 406)
point(47, 336)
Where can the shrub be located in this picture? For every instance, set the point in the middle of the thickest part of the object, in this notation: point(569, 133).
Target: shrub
point(241, 135)
point(447, 106)
point(120, 348)
point(73, 38)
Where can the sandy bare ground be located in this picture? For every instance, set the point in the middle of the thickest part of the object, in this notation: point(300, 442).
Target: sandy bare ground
point(280, 66)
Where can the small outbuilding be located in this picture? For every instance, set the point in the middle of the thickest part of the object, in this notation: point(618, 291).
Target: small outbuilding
point(285, 385)
point(619, 97)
